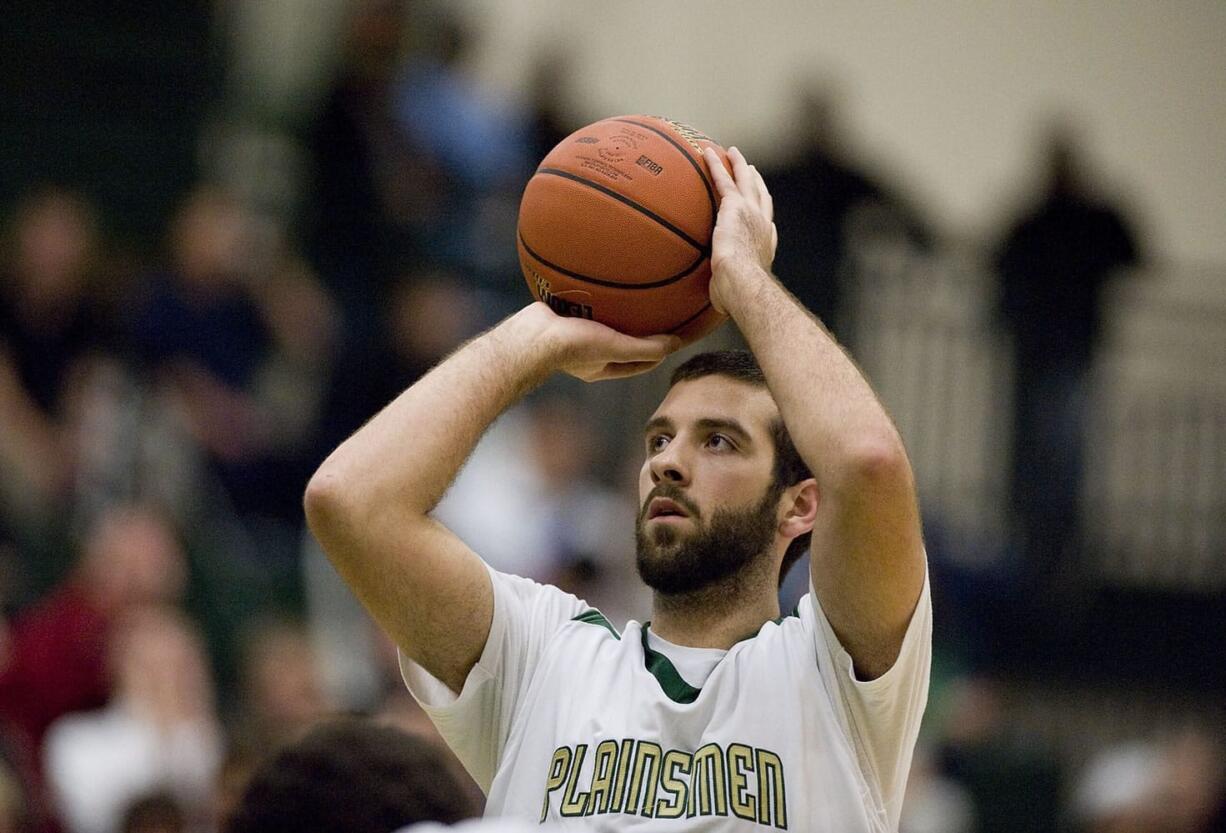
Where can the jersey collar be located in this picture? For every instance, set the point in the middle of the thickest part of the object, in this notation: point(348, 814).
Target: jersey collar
point(662, 668)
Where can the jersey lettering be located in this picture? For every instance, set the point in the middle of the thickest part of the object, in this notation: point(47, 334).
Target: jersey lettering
point(574, 803)
point(641, 778)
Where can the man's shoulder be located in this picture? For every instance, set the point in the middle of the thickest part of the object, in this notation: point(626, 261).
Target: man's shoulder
point(548, 612)
point(592, 616)
point(532, 592)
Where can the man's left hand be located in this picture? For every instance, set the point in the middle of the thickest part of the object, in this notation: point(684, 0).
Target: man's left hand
point(744, 236)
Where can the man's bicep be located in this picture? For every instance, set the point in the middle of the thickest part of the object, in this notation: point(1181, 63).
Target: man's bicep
point(868, 567)
point(427, 590)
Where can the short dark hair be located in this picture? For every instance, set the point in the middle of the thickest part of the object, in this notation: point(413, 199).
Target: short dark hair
point(158, 810)
point(789, 468)
point(351, 775)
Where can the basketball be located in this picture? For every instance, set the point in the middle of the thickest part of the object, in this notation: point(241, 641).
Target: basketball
point(615, 226)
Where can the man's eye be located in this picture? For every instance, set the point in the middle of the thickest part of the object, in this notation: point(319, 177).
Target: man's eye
point(657, 442)
point(719, 442)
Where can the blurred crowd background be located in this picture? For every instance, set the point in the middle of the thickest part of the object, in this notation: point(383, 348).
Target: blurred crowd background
point(233, 231)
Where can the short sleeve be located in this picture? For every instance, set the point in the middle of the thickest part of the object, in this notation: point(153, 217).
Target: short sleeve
point(477, 722)
point(882, 715)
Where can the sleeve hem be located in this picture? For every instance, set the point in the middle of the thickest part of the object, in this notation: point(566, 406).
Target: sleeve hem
point(433, 695)
point(914, 633)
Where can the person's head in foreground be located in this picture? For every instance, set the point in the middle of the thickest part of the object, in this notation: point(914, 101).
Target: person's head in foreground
point(723, 493)
point(351, 776)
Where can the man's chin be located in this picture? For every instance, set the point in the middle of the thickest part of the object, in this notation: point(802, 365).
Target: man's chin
point(656, 553)
point(665, 532)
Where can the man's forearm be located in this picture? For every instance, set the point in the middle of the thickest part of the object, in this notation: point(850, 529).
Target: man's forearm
point(411, 451)
point(368, 503)
point(832, 414)
point(867, 566)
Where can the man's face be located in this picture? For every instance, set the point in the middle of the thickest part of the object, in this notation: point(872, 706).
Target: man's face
point(708, 506)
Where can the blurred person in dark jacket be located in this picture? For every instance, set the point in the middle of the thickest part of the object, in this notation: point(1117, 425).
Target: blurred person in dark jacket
point(550, 91)
point(826, 199)
point(51, 324)
point(221, 331)
point(197, 327)
point(1012, 780)
point(366, 185)
point(1054, 263)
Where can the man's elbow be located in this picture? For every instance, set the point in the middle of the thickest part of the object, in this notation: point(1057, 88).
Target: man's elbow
point(327, 503)
point(880, 460)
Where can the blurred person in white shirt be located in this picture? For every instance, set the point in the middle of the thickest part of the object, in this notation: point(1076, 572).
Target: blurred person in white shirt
point(159, 730)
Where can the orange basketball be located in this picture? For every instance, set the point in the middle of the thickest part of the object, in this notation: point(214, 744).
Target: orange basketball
point(615, 225)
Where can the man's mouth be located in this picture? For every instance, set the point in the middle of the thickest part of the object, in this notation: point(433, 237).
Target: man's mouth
point(662, 507)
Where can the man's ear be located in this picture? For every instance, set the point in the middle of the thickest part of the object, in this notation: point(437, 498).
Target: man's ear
point(799, 507)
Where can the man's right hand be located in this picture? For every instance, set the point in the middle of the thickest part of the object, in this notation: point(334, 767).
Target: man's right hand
point(592, 351)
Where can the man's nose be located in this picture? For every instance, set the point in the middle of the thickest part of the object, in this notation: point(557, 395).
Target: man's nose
point(669, 465)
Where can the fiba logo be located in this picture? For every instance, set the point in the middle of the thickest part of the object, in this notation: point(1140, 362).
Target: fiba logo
point(650, 165)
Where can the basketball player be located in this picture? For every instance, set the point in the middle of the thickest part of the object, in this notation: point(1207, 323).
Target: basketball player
point(718, 714)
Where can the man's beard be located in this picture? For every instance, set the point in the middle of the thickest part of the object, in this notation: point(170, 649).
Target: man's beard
point(675, 562)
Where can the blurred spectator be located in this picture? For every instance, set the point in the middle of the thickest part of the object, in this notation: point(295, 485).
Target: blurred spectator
point(281, 690)
point(50, 324)
point(1118, 792)
point(237, 333)
point(549, 88)
point(14, 814)
point(57, 656)
point(158, 812)
point(478, 141)
point(477, 137)
point(1053, 265)
point(427, 315)
point(585, 527)
point(233, 775)
point(1170, 786)
point(291, 385)
point(823, 199)
point(1013, 782)
point(351, 776)
point(159, 730)
point(1192, 784)
point(366, 183)
point(934, 803)
point(543, 514)
point(199, 328)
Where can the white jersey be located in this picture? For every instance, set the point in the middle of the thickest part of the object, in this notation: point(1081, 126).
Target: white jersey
point(563, 718)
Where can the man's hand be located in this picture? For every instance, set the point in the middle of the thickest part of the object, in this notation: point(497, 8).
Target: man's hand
point(592, 352)
point(744, 235)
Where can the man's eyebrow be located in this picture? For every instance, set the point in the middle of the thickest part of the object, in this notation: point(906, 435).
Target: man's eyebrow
point(658, 423)
point(724, 424)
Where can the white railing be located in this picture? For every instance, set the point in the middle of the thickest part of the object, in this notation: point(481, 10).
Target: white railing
point(1154, 491)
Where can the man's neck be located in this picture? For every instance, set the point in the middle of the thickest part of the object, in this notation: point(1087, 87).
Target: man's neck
point(718, 616)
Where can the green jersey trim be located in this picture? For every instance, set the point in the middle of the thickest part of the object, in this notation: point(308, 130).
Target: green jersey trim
point(595, 617)
point(662, 668)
